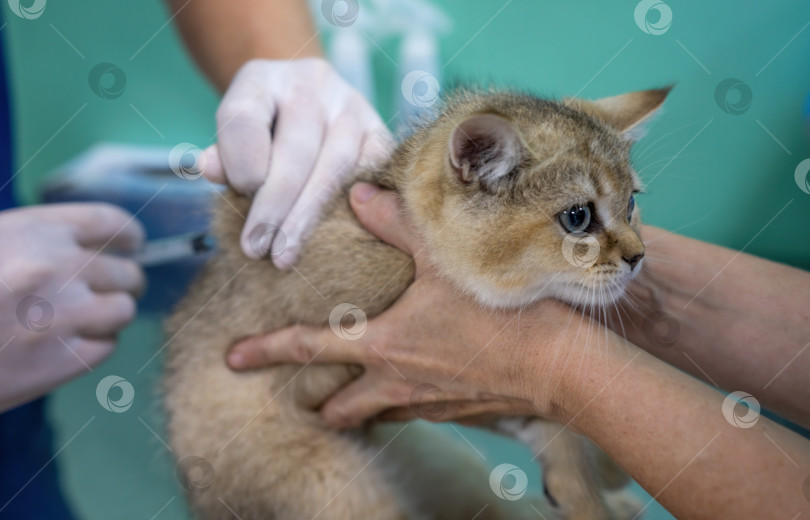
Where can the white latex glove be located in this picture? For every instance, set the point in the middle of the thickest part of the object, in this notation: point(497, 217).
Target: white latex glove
point(322, 128)
point(62, 301)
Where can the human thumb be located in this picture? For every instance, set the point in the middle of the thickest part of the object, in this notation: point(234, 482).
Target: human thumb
point(380, 212)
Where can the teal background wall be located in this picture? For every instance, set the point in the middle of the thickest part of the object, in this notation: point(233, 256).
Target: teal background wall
point(710, 174)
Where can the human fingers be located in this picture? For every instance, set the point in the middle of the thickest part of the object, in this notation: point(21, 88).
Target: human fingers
point(105, 315)
point(299, 132)
point(105, 273)
point(380, 212)
point(337, 158)
point(296, 344)
point(464, 411)
point(213, 170)
point(362, 399)
point(244, 120)
point(91, 351)
point(94, 225)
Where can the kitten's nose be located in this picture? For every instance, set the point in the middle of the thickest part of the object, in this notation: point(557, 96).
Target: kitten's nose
point(634, 261)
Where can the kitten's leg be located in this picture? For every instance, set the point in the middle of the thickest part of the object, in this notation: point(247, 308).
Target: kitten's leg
point(571, 482)
point(264, 457)
point(610, 475)
point(613, 480)
point(446, 479)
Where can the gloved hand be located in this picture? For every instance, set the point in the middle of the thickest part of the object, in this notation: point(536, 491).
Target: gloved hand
point(322, 129)
point(62, 298)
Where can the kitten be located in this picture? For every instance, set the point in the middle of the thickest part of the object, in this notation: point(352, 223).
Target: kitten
point(517, 199)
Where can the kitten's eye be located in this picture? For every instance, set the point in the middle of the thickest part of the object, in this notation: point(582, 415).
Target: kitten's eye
point(630, 207)
point(576, 218)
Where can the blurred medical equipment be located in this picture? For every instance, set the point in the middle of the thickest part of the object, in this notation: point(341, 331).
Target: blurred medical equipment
point(353, 27)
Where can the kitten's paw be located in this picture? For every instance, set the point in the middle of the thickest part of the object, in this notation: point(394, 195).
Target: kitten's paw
point(623, 505)
point(533, 506)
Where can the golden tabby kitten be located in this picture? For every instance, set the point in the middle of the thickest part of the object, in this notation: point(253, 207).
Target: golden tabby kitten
point(517, 199)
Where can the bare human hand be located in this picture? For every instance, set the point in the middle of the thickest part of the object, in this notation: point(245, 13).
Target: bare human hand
point(435, 353)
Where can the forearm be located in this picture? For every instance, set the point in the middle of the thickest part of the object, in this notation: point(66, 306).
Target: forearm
point(669, 433)
point(222, 36)
point(741, 322)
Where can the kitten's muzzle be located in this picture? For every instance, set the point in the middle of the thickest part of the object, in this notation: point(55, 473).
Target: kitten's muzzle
point(633, 261)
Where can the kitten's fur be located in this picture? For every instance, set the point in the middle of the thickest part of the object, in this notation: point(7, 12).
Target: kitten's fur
point(483, 183)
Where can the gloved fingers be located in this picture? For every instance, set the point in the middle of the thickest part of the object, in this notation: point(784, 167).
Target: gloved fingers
point(378, 144)
point(86, 352)
point(106, 273)
point(296, 145)
point(244, 120)
point(108, 226)
point(104, 315)
point(95, 225)
point(337, 160)
point(213, 170)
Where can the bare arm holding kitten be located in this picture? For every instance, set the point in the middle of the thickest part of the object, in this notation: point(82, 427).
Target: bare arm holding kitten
point(637, 408)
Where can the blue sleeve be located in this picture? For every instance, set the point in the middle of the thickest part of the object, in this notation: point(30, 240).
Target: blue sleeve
point(6, 164)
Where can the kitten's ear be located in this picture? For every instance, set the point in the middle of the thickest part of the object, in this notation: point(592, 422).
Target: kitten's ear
point(484, 146)
point(628, 113)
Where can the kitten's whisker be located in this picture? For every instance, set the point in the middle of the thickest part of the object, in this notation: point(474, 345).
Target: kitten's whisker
point(576, 337)
point(616, 303)
point(655, 253)
point(633, 301)
point(655, 258)
point(559, 347)
point(592, 294)
point(619, 310)
point(640, 168)
point(600, 306)
point(670, 157)
point(681, 177)
point(520, 312)
point(604, 313)
point(629, 316)
point(673, 231)
point(623, 305)
point(643, 170)
point(567, 326)
point(647, 148)
point(621, 322)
